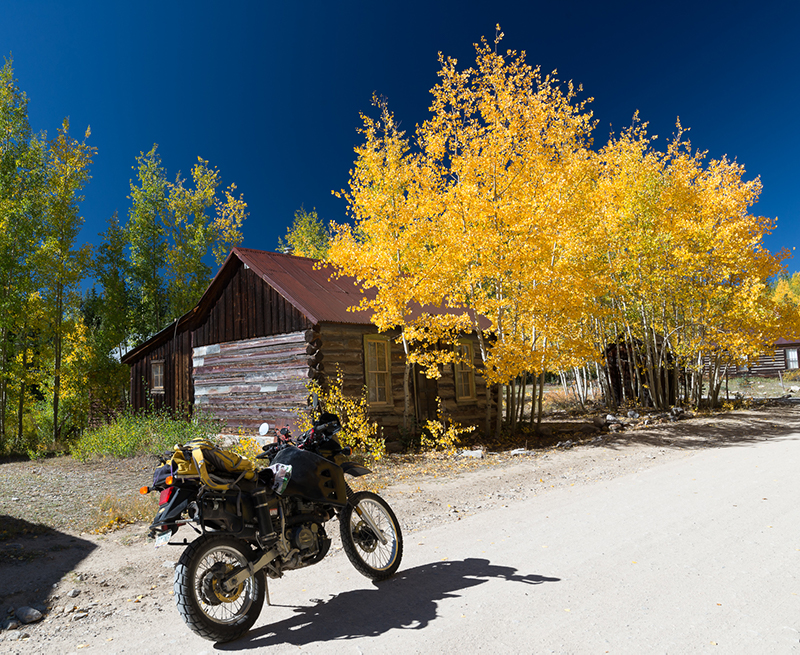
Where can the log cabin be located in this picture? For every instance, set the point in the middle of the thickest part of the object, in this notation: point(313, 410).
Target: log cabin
point(270, 322)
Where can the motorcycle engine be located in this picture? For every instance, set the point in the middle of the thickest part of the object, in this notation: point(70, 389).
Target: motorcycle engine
point(305, 539)
point(305, 534)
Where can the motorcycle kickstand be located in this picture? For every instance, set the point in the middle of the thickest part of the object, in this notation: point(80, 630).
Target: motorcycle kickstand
point(266, 589)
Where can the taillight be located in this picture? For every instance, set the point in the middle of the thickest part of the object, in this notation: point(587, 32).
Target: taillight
point(166, 495)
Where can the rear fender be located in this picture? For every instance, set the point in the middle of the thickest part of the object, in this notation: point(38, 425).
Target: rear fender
point(170, 512)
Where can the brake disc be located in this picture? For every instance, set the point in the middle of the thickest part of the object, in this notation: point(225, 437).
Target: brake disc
point(213, 593)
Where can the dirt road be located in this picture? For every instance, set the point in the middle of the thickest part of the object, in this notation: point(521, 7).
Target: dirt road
point(673, 541)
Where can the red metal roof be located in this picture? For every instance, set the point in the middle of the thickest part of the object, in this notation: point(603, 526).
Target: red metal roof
point(315, 290)
point(312, 288)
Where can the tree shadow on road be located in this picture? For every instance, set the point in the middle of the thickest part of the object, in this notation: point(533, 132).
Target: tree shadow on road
point(407, 601)
point(767, 423)
point(33, 557)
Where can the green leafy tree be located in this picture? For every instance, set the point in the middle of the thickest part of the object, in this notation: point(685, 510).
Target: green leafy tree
point(173, 229)
point(201, 221)
point(147, 242)
point(22, 188)
point(62, 265)
point(308, 236)
point(106, 315)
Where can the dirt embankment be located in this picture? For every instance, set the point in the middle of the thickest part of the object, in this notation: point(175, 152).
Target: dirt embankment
point(89, 586)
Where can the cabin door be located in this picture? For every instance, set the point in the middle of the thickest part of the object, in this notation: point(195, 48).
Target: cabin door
point(426, 393)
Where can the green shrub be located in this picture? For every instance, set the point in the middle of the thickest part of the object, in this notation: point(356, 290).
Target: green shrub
point(141, 433)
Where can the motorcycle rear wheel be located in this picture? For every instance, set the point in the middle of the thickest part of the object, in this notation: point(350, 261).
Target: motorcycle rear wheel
point(366, 552)
point(207, 609)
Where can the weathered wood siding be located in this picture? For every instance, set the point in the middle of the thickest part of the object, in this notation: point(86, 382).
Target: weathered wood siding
point(248, 382)
point(247, 308)
point(768, 364)
point(343, 346)
point(177, 393)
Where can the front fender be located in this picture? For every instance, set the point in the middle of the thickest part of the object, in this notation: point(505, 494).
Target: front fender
point(354, 469)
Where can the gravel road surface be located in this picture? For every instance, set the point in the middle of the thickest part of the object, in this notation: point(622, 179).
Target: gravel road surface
point(647, 548)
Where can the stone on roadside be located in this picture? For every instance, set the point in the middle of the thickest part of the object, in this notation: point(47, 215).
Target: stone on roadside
point(73, 593)
point(476, 454)
point(28, 614)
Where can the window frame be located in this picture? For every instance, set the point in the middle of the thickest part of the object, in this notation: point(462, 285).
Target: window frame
point(155, 365)
point(792, 360)
point(459, 370)
point(370, 376)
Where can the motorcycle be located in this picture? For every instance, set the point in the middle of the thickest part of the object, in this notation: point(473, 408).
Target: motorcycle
point(250, 532)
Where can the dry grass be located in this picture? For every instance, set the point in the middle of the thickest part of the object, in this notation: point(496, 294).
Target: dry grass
point(116, 512)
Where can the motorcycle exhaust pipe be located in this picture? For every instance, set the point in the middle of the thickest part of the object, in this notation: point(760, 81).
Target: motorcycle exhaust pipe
point(261, 506)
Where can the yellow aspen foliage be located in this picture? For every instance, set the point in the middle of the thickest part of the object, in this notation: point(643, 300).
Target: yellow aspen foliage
point(502, 215)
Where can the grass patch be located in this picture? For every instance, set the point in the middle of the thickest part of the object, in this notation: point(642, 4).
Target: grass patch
point(114, 512)
point(143, 433)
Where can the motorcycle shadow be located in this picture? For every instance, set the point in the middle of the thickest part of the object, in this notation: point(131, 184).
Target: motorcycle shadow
point(407, 601)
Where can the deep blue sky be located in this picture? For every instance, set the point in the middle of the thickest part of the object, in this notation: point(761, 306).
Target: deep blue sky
point(270, 93)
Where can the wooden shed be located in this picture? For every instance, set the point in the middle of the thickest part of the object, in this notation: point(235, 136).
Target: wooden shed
point(266, 325)
point(781, 358)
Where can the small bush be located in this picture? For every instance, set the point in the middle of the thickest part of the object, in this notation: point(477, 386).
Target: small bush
point(792, 375)
point(141, 433)
point(442, 434)
point(246, 447)
point(358, 431)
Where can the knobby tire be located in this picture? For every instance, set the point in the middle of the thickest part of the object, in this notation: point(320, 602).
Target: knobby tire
point(366, 553)
point(207, 610)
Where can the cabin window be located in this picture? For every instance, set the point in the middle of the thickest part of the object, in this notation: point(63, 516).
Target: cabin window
point(157, 376)
point(791, 358)
point(464, 371)
point(378, 370)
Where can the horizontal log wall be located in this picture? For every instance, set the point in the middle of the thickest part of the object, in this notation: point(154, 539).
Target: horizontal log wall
point(343, 345)
point(248, 382)
point(766, 365)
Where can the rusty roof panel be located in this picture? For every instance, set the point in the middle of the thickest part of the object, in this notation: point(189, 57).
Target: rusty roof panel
point(316, 292)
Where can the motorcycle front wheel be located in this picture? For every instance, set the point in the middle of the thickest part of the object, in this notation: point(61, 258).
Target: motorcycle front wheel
point(365, 549)
point(207, 608)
